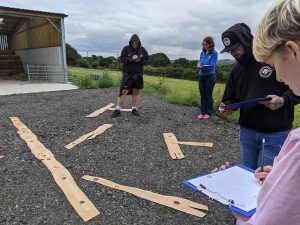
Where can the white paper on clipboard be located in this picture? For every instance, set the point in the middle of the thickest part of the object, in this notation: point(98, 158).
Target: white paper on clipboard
point(234, 183)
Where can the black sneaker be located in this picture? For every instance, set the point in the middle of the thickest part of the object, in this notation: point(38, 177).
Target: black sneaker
point(116, 113)
point(135, 112)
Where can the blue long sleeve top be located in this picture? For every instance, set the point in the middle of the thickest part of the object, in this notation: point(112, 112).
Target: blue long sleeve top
point(209, 61)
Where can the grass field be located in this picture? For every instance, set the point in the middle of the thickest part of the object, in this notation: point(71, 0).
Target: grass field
point(177, 91)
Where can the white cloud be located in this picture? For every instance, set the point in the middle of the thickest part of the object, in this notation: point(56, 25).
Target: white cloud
point(173, 27)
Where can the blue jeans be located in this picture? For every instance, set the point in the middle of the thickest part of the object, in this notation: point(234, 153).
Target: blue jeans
point(251, 145)
point(206, 87)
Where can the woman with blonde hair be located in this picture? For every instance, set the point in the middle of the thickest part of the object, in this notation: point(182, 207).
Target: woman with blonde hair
point(277, 42)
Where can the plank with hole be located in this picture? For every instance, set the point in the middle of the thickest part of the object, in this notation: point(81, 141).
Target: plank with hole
point(79, 201)
point(174, 202)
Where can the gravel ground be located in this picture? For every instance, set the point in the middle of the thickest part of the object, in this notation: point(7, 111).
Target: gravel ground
point(132, 153)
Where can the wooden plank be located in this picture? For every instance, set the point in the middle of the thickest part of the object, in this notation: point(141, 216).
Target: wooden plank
point(99, 111)
point(89, 136)
point(1, 156)
point(177, 203)
point(122, 110)
point(174, 149)
point(199, 144)
point(100, 130)
point(83, 206)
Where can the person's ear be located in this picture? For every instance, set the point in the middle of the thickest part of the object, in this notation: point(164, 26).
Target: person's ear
point(294, 49)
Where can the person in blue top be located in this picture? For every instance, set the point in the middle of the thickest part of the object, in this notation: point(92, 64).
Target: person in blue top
point(207, 76)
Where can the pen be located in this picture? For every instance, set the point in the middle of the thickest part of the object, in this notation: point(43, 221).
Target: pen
point(230, 201)
point(262, 158)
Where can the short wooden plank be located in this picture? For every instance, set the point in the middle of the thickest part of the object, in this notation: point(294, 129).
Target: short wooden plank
point(99, 111)
point(122, 110)
point(80, 202)
point(199, 144)
point(89, 135)
point(177, 203)
point(100, 130)
point(174, 149)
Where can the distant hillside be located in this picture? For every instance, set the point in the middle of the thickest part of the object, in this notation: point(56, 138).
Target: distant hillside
point(226, 62)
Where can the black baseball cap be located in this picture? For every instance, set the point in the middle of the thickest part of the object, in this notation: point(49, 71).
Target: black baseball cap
point(230, 41)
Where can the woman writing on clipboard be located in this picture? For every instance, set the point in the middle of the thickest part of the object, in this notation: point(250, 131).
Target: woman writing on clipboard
point(207, 76)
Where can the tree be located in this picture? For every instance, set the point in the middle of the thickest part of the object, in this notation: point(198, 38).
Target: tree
point(106, 62)
point(193, 63)
point(83, 63)
point(159, 59)
point(181, 62)
point(72, 55)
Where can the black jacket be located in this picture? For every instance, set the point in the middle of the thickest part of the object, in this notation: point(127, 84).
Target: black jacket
point(250, 79)
point(130, 66)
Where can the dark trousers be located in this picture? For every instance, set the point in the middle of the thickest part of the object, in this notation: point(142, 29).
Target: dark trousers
point(206, 87)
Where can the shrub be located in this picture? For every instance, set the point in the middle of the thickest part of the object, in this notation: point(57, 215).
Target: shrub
point(86, 82)
point(94, 64)
point(105, 81)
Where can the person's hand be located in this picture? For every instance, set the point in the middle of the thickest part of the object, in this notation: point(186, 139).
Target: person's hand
point(222, 167)
point(223, 111)
point(137, 60)
point(275, 103)
point(262, 175)
point(134, 57)
point(199, 66)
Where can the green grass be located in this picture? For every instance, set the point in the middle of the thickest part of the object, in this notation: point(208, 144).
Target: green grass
point(176, 91)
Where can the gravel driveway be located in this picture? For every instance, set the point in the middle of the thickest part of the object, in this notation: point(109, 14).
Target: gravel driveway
point(132, 152)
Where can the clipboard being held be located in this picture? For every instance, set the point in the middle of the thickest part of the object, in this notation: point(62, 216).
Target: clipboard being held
point(235, 187)
point(246, 103)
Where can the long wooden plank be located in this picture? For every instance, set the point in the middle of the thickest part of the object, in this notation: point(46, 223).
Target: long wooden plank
point(173, 148)
point(199, 144)
point(177, 203)
point(99, 111)
point(89, 135)
point(80, 202)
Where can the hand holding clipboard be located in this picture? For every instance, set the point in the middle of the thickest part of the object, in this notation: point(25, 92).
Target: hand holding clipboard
point(244, 103)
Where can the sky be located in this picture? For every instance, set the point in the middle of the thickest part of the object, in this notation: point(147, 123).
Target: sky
point(176, 28)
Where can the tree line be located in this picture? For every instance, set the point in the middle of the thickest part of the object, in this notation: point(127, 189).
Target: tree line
point(158, 65)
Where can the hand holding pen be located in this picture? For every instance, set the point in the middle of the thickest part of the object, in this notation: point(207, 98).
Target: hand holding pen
point(262, 172)
point(262, 175)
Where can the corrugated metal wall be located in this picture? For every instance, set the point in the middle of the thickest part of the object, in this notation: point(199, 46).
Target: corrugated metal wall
point(35, 33)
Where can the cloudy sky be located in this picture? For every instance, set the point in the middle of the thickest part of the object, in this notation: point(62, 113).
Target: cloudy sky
point(176, 28)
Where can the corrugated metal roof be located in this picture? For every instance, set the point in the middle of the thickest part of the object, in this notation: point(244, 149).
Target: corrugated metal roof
point(24, 12)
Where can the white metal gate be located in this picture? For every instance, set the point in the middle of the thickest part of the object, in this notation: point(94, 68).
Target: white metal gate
point(3, 42)
point(49, 73)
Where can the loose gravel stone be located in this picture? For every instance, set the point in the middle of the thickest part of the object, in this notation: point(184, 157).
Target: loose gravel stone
point(132, 152)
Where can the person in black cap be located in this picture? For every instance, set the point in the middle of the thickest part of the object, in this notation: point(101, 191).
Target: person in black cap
point(133, 57)
point(271, 120)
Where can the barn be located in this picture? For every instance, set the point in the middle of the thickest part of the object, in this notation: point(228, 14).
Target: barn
point(32, 45)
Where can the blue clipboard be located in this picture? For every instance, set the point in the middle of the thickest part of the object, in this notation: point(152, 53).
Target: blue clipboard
point(231, 207)
point(246, 103)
